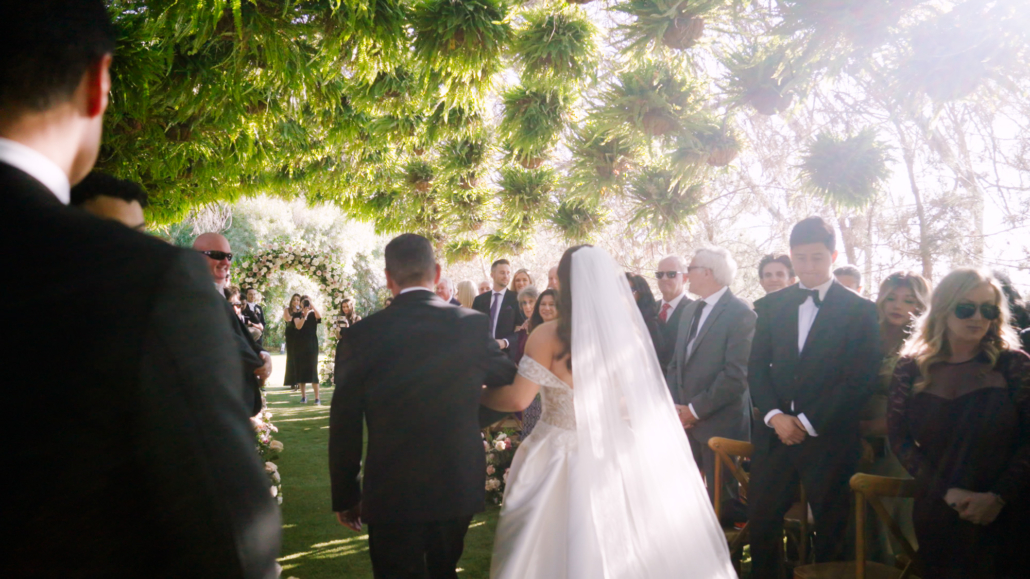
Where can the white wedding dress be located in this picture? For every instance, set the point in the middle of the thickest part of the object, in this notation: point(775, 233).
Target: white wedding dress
point(606, 486)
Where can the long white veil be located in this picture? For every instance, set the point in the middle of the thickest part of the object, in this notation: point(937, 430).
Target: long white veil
point(652, 514)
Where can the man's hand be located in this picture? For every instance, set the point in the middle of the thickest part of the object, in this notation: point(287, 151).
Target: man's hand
point(789, 429)
point(265, 371)
point(502, 344)
point(981, 508)
point(351, 519)
point(687, 418)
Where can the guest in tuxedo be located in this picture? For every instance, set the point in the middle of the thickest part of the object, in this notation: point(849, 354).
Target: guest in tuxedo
point(257, 363)
point(108, 197)
point(672, 279)
point(254, 315)
point(775, 272)
point(445, 289)
point(545, 310)
point(708, 372)
point(850, 277)
point(552, 279)
point(131, 455)
point(422, 479)
point(290, 313)
point(520, 281)
point(501, 304)
point(466, 293)
point(903, 297)
point(306, 350)
point(813, 363)
point(648, 310)
point(484, 286)
point(959, 420)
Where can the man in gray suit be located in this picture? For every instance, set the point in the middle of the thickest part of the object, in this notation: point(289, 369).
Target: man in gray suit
point(708, 371)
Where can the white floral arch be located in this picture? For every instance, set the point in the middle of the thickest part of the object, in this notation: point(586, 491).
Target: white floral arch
point(255, 270)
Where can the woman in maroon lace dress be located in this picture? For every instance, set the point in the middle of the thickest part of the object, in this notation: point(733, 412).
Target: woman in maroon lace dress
point(959, 421)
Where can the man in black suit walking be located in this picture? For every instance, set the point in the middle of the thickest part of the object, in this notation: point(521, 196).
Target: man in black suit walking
point(131, 455)
point(413, 373)
point(672, 279)
point(814, 359)
point(501, 304)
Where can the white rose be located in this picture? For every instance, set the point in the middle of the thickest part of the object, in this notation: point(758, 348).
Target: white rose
point(276, 446)
point(501, 436)
point(276, 478)
point(490, 469)
point(499, 445)
point(279, 499)
point(270, 467)
point(275, 491)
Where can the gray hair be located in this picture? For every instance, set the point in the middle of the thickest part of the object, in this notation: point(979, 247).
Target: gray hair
point(681, 264)
point(446, 281)
point(529, 292)
point(719, 261)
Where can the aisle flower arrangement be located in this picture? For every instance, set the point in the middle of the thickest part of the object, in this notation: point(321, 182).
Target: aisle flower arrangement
point(500, 449)
point(255, 271)
point(268, 449)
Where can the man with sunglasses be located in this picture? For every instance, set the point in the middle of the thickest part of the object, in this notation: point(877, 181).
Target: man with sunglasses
point(672, 280)
point(257, 363)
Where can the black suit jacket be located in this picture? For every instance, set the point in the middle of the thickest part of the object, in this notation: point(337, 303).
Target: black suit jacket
point(131, 455)
point(831, 379)
point(255, 315)
point(509, 318)
point(413, 373)
point(454, 302)
point(670, 331)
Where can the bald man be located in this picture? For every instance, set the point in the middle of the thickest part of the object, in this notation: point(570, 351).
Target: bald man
point(552, 279)
point(257, 364)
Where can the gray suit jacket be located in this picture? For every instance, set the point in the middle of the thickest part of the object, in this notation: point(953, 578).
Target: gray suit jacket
point(714, 376)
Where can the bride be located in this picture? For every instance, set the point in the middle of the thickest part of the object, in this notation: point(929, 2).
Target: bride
point(606, 485)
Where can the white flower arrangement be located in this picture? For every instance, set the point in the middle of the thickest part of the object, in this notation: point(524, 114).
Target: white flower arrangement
point(500, 451)
point(268, 449)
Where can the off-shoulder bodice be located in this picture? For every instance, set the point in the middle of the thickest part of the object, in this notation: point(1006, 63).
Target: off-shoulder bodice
point(558, 407)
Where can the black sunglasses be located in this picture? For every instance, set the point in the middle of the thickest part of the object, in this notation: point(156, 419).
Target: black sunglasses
point(964, 311)
point(668, 274)
point(218, 255)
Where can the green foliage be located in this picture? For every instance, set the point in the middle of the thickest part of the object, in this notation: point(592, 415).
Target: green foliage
point(506, 242)
point(464, 160)
point(556, 45)
point(577, 219)
point(655, 99)
point(462, 250)
point(664, 201)
point(846, 171)
point(418, 174)
point(601, 160)
point(533, 120)
point(710, 143)
point(525, 194)
point(760, 76)
point(675, 24)
point(467, 209)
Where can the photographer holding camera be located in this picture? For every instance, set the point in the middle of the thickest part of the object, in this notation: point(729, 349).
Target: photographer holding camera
point(305, 348)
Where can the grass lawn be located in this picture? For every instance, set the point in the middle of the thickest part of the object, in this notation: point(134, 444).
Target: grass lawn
point(315, 546)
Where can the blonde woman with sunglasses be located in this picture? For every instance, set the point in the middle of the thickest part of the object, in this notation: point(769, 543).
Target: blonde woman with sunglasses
point(959, 421)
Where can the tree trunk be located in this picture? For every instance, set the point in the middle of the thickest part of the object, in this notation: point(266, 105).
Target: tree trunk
point(924, 242)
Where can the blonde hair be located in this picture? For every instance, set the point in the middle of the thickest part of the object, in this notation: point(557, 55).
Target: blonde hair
point(516, 274)
point(928, 345)
point(466, 293)
point(920, 289)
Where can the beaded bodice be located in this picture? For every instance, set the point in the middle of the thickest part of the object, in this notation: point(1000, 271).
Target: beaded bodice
point(558, 407)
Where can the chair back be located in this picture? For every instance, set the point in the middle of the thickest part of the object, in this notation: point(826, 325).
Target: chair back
point(870, 489)
point(726, 451)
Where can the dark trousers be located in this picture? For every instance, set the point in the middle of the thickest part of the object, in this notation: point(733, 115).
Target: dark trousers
point(417, 550)
point(824, 465)
point(707, 462)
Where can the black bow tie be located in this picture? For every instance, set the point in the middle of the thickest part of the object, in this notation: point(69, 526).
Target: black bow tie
point(814, 294)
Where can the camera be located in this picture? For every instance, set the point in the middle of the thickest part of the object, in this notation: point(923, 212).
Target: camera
point(306, 303)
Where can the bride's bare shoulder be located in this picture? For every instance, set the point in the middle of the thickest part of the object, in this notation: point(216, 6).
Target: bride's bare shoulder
point(543, 343)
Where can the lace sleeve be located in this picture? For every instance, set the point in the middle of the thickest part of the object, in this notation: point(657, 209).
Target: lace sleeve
point(533, 371)
point(899, 431)
point(1013, 484)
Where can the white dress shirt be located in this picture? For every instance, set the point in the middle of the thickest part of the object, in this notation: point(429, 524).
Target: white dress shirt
point(493, 320)
point(415, 288)
point(38, 166)
point(807, 313)
point(672, 304)
point(709, 302)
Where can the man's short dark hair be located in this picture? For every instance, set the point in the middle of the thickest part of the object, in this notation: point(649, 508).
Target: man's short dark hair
point(410, 260)
point(101, 184)
point(45, 48)
point(499, 262)
point(781, 258)
point(813, 230)
point(849, 270)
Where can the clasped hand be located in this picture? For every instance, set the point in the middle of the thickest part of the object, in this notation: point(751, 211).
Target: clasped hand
point(687, 418)
point(789, 428)
point(351, 519)
point(976, 508)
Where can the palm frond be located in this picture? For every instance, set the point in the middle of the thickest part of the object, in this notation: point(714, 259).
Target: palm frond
point(462, 250)
point(525, 194)
point(656, 24)
point(663, 202)
point(577, 219)
point(845, 171)
point(655, 99)
point(533, 120)
point(556, 44)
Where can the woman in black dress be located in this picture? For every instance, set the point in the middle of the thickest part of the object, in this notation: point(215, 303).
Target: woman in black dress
point(291, 312)
point(959, 421)
point(306, 349)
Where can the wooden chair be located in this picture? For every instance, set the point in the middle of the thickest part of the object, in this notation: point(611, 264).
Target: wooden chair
point(870, 488)
point(727, 451)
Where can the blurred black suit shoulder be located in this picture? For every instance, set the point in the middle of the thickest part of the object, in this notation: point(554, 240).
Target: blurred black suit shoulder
point(130, 454)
